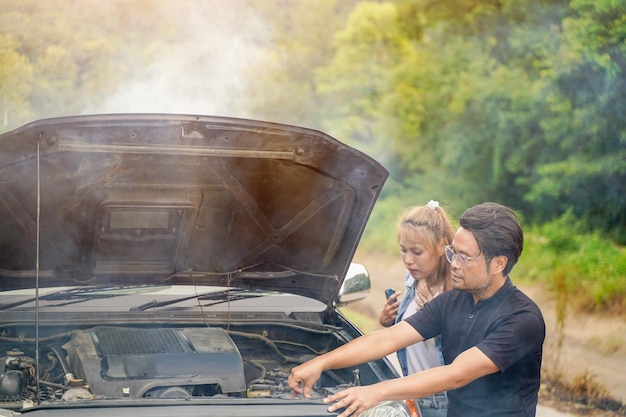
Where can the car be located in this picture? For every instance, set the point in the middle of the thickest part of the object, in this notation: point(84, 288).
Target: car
point(163, 264)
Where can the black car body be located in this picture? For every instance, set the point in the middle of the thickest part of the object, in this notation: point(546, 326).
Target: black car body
point(177, 265)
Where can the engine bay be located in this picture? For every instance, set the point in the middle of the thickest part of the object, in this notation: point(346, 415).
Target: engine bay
point(118, 362)
point(126, 362)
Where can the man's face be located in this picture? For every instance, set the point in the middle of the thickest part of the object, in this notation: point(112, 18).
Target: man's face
point(476, 277)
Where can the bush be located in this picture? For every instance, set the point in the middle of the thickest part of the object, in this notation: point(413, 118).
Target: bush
point(589, 268)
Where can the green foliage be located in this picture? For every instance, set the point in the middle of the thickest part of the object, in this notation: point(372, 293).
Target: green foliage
point(68, 55)
point(520, 102)
point(585, 126)
point(588, 269)
point(575, 184)
point(16, 80)
point(563, 234)
point(357, 78)
point(301, 36)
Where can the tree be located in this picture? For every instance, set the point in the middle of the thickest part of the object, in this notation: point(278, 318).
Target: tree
point(16, 80)
point(468, 107)
point(66, 57)
point(587, 121)
point(355, 83)
point(298, 43)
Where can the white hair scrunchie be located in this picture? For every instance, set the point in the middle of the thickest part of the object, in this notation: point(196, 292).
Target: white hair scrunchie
point(433, 204)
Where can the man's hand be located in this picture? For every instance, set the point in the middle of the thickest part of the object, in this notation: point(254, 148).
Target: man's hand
point(303, 377)
point(353, 401)
point(390, 310)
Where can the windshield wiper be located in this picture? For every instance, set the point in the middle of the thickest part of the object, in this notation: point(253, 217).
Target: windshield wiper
point(75, 295)
point(219, 296)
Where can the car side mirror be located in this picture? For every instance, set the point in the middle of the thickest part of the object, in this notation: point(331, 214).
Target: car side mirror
point(356, 286)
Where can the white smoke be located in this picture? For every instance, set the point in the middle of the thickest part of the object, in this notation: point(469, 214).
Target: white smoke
point(204, 70)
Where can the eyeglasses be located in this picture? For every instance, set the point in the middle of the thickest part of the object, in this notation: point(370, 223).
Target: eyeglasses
point(460, 259)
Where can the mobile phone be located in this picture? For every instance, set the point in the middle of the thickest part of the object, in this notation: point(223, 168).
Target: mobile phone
point(389, 292)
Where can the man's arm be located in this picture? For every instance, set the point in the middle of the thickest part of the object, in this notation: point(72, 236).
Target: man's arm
point(360, 350)
point(467, 367)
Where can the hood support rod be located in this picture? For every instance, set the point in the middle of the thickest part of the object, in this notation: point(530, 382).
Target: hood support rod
point(37, 273)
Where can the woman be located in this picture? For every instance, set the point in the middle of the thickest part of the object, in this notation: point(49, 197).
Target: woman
point(423, 232)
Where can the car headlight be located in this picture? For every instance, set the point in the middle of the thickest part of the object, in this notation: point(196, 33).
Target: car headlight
point(388, 409)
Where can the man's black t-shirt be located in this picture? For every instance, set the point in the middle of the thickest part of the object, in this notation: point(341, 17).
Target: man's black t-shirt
point(509, 329)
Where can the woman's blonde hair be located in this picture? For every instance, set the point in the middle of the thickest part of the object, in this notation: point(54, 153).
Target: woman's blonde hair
point(431, 223)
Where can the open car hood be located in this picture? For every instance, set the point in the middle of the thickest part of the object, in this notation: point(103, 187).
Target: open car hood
point(179, 199)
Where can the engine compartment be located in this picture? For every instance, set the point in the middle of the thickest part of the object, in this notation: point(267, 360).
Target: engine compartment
point(149, 362)
point(129, 362)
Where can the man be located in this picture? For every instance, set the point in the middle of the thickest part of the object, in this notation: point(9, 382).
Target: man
point(492, 334)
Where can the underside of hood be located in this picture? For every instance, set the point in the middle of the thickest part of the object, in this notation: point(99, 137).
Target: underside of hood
point(178, 199)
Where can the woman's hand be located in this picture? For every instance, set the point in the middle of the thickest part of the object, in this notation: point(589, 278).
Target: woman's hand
point(390, 310)
point(423, 293)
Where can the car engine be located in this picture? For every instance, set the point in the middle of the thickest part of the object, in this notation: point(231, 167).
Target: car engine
point(117, 362)
point(161, 362)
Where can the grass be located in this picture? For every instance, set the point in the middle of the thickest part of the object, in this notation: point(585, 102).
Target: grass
point(587, 271)
point(580, 395)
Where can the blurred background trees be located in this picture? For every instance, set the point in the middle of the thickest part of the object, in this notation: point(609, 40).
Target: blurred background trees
point(517, 101)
